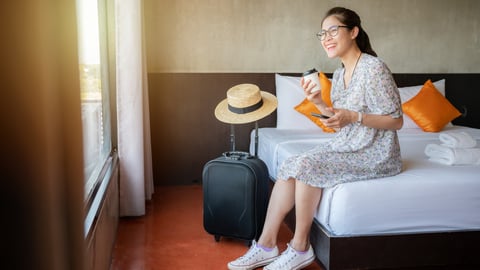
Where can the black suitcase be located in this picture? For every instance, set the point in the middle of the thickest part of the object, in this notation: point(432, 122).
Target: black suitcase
point(235, 195)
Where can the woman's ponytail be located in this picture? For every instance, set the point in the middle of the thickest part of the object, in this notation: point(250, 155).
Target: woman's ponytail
point(363, 42)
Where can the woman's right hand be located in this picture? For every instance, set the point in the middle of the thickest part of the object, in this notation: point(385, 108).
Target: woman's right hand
point(314, 97)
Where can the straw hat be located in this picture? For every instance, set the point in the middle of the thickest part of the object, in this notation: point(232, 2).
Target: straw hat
point(245, 103)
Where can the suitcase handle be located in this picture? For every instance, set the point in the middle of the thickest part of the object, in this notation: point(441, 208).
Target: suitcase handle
point(232, 138)
point(237, 155)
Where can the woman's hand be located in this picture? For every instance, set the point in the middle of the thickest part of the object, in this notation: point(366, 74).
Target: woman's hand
point(343, 117)
point(339, 118)
point(314, 97)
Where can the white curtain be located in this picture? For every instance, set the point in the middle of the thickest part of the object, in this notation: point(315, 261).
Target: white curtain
point(134, 144)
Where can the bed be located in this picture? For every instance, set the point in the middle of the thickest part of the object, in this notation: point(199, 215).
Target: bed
point(426, 217)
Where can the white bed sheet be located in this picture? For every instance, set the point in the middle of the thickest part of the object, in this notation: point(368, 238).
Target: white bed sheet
point(425, 197)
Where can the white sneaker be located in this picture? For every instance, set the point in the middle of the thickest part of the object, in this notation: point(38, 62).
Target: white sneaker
point(255, 257)
point(292, 260)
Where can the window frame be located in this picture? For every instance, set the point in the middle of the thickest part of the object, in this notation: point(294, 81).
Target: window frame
point(101, 175)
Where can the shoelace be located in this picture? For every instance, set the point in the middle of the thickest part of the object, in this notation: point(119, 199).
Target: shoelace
point(282, 261)
point(250, 253)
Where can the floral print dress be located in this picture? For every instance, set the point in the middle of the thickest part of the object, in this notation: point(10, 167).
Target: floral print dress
point(356, 152)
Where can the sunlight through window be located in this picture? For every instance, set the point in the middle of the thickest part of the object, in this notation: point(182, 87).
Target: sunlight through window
point(94, 90)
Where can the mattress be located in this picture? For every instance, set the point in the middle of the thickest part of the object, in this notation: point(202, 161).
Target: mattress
point(424, 197)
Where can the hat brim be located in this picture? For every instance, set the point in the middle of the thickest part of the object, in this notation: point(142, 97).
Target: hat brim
point(223, 114)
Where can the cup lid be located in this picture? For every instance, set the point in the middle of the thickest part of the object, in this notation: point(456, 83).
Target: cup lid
point(308, 72)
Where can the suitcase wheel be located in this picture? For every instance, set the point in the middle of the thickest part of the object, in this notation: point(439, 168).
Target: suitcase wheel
point(217, 238)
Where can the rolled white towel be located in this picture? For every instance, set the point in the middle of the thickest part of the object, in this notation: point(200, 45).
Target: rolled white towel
point(457, 140)
point(452, 156)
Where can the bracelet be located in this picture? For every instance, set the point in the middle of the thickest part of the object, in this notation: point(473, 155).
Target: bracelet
point(360, 118)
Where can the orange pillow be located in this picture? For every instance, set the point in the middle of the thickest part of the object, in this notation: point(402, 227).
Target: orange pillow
point(306, 107)
point(326, 86)
point(429, 109)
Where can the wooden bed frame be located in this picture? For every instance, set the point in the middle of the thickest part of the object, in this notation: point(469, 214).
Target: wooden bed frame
point(448, 250)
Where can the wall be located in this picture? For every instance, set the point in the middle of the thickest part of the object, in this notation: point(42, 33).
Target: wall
point(415, 36)
point(184, 132)
point(197, 49)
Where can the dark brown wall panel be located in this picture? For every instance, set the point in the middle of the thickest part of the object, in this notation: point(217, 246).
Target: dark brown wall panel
point(185, 133)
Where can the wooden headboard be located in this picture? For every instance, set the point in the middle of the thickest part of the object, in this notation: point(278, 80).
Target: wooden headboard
point(460, 89)
point(185, 133)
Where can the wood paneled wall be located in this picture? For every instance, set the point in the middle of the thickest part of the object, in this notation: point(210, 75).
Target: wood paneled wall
point(186, 134)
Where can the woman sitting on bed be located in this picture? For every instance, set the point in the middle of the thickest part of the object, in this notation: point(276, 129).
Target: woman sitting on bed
point(366, 113)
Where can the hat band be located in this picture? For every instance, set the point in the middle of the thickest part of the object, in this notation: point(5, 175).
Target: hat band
point(246, 109)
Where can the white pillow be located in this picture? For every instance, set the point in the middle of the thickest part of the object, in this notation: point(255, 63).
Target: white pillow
point(290, 94)
point(408, 122)
point(406, 93)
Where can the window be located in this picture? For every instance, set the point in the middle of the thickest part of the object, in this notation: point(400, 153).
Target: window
point(94, 85)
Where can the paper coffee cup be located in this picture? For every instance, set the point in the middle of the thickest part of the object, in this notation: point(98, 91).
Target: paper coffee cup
point(312, 75)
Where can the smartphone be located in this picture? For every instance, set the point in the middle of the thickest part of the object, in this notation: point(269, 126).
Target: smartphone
point(319, 115)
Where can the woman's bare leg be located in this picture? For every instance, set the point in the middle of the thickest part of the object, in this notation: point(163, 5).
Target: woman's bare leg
point(281, 202)
point(307, 199)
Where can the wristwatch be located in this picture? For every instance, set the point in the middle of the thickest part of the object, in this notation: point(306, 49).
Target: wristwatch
point(360, 118)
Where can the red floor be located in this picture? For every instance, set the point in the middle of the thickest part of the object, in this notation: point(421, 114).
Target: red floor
point(171, 236)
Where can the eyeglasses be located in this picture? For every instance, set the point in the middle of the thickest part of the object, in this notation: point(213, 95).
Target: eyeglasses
point(332, 31)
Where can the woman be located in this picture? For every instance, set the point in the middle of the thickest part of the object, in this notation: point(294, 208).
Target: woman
point(366, 113)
